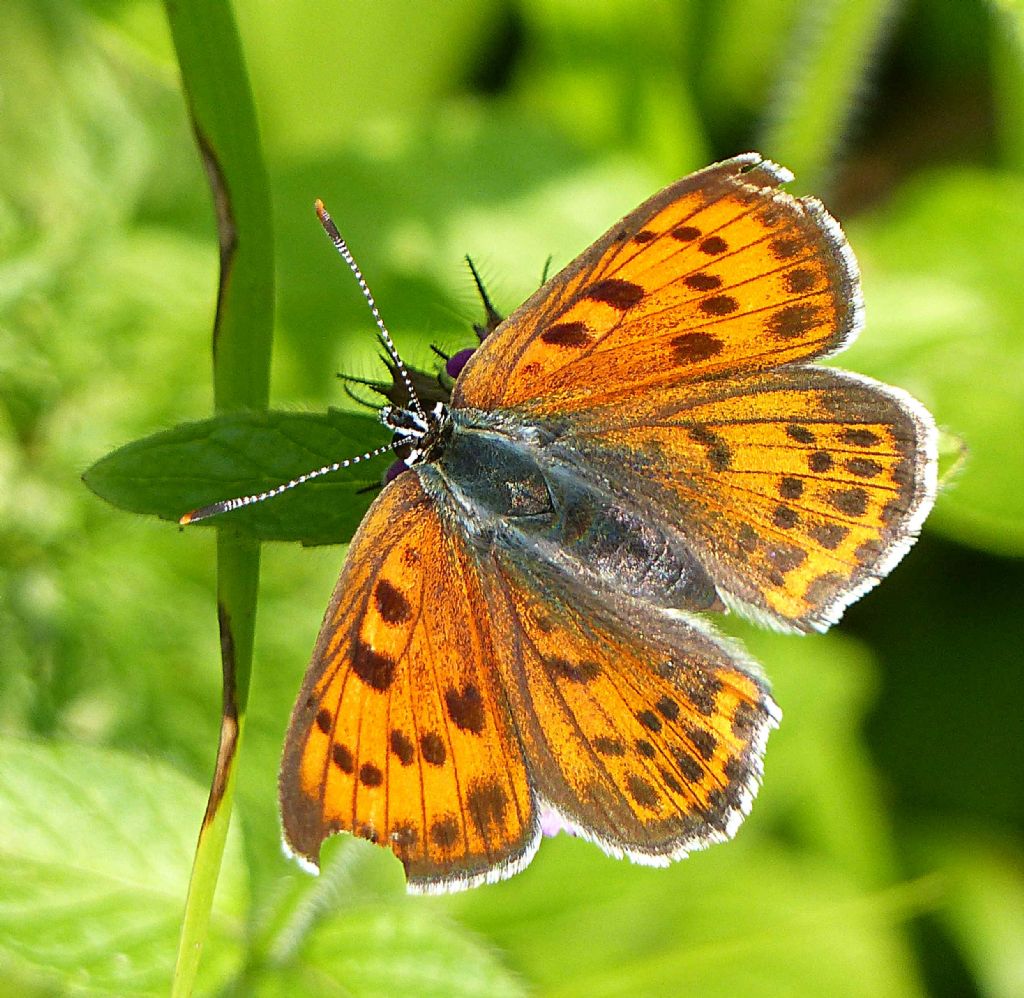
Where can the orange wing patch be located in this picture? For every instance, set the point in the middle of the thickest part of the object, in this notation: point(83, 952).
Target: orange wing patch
point(401, 733)
point(721, 272)
point(797, 488)
point(644, 733)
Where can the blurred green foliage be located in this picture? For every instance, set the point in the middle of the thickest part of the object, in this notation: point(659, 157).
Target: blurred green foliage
point(885, 854)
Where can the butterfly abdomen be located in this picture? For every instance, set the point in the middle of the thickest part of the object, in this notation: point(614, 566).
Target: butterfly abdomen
point(513, 494)
point(625, 547)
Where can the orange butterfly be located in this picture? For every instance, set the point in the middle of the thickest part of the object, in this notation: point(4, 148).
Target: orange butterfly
point(512, 640)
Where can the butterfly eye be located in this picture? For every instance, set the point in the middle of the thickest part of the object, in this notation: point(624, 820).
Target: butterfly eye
point(454, 365)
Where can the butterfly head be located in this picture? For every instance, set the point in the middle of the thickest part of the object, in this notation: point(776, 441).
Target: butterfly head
point(424, 433)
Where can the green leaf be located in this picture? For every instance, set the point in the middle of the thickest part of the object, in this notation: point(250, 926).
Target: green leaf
point(394, 952)
point(95, 850)
point(354, 931)
point(942, 268)
point(751, 918)
point(195, 464)
point(431, 48)
point(609, 78)
point(983, 911)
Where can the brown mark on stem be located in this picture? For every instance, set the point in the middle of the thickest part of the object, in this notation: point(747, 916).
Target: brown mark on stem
point(228, 746)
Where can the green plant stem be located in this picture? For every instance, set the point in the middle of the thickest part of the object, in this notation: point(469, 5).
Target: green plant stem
point(220, 103)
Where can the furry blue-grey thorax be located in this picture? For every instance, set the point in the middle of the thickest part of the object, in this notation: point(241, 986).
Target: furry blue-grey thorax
point(516, 485)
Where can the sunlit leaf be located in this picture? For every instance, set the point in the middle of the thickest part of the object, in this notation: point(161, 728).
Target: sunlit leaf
point(982, 875)
point(195, 464)
point(942, 267)
point(95, 851)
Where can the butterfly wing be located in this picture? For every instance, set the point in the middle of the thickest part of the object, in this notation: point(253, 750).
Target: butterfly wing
point(797, 489)
point(644, 732)
point(670, 358)
point(720, 272)
point(402, 733)
point(438, 731)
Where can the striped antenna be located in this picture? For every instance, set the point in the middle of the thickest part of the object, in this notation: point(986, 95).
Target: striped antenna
point(342, 247)
point(226, 505)
point(405, 433)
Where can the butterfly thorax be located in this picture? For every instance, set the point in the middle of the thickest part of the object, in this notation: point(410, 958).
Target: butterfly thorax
point(504, 486)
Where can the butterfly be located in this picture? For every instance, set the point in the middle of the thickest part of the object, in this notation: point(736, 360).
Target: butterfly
point(515, 641)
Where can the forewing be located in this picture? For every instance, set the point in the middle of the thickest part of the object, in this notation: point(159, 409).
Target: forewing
point(644, 732)
point(798, 489)
point(401, 733)
point(720, 272)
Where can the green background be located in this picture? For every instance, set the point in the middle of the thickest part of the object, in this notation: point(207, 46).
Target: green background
point(885, 854)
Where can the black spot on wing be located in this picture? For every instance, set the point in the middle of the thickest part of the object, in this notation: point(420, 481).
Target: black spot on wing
point(691, 348)
point(567, 334)
point(374, 668)
point(702, 282)
point(851, 502)
point(487, 802)
point(402, 747)
point(370, 775)
point(391, 604)
point(432, 748)
point(466, 708)
point(621, 295)
point(444, 831)
point(341, 756)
